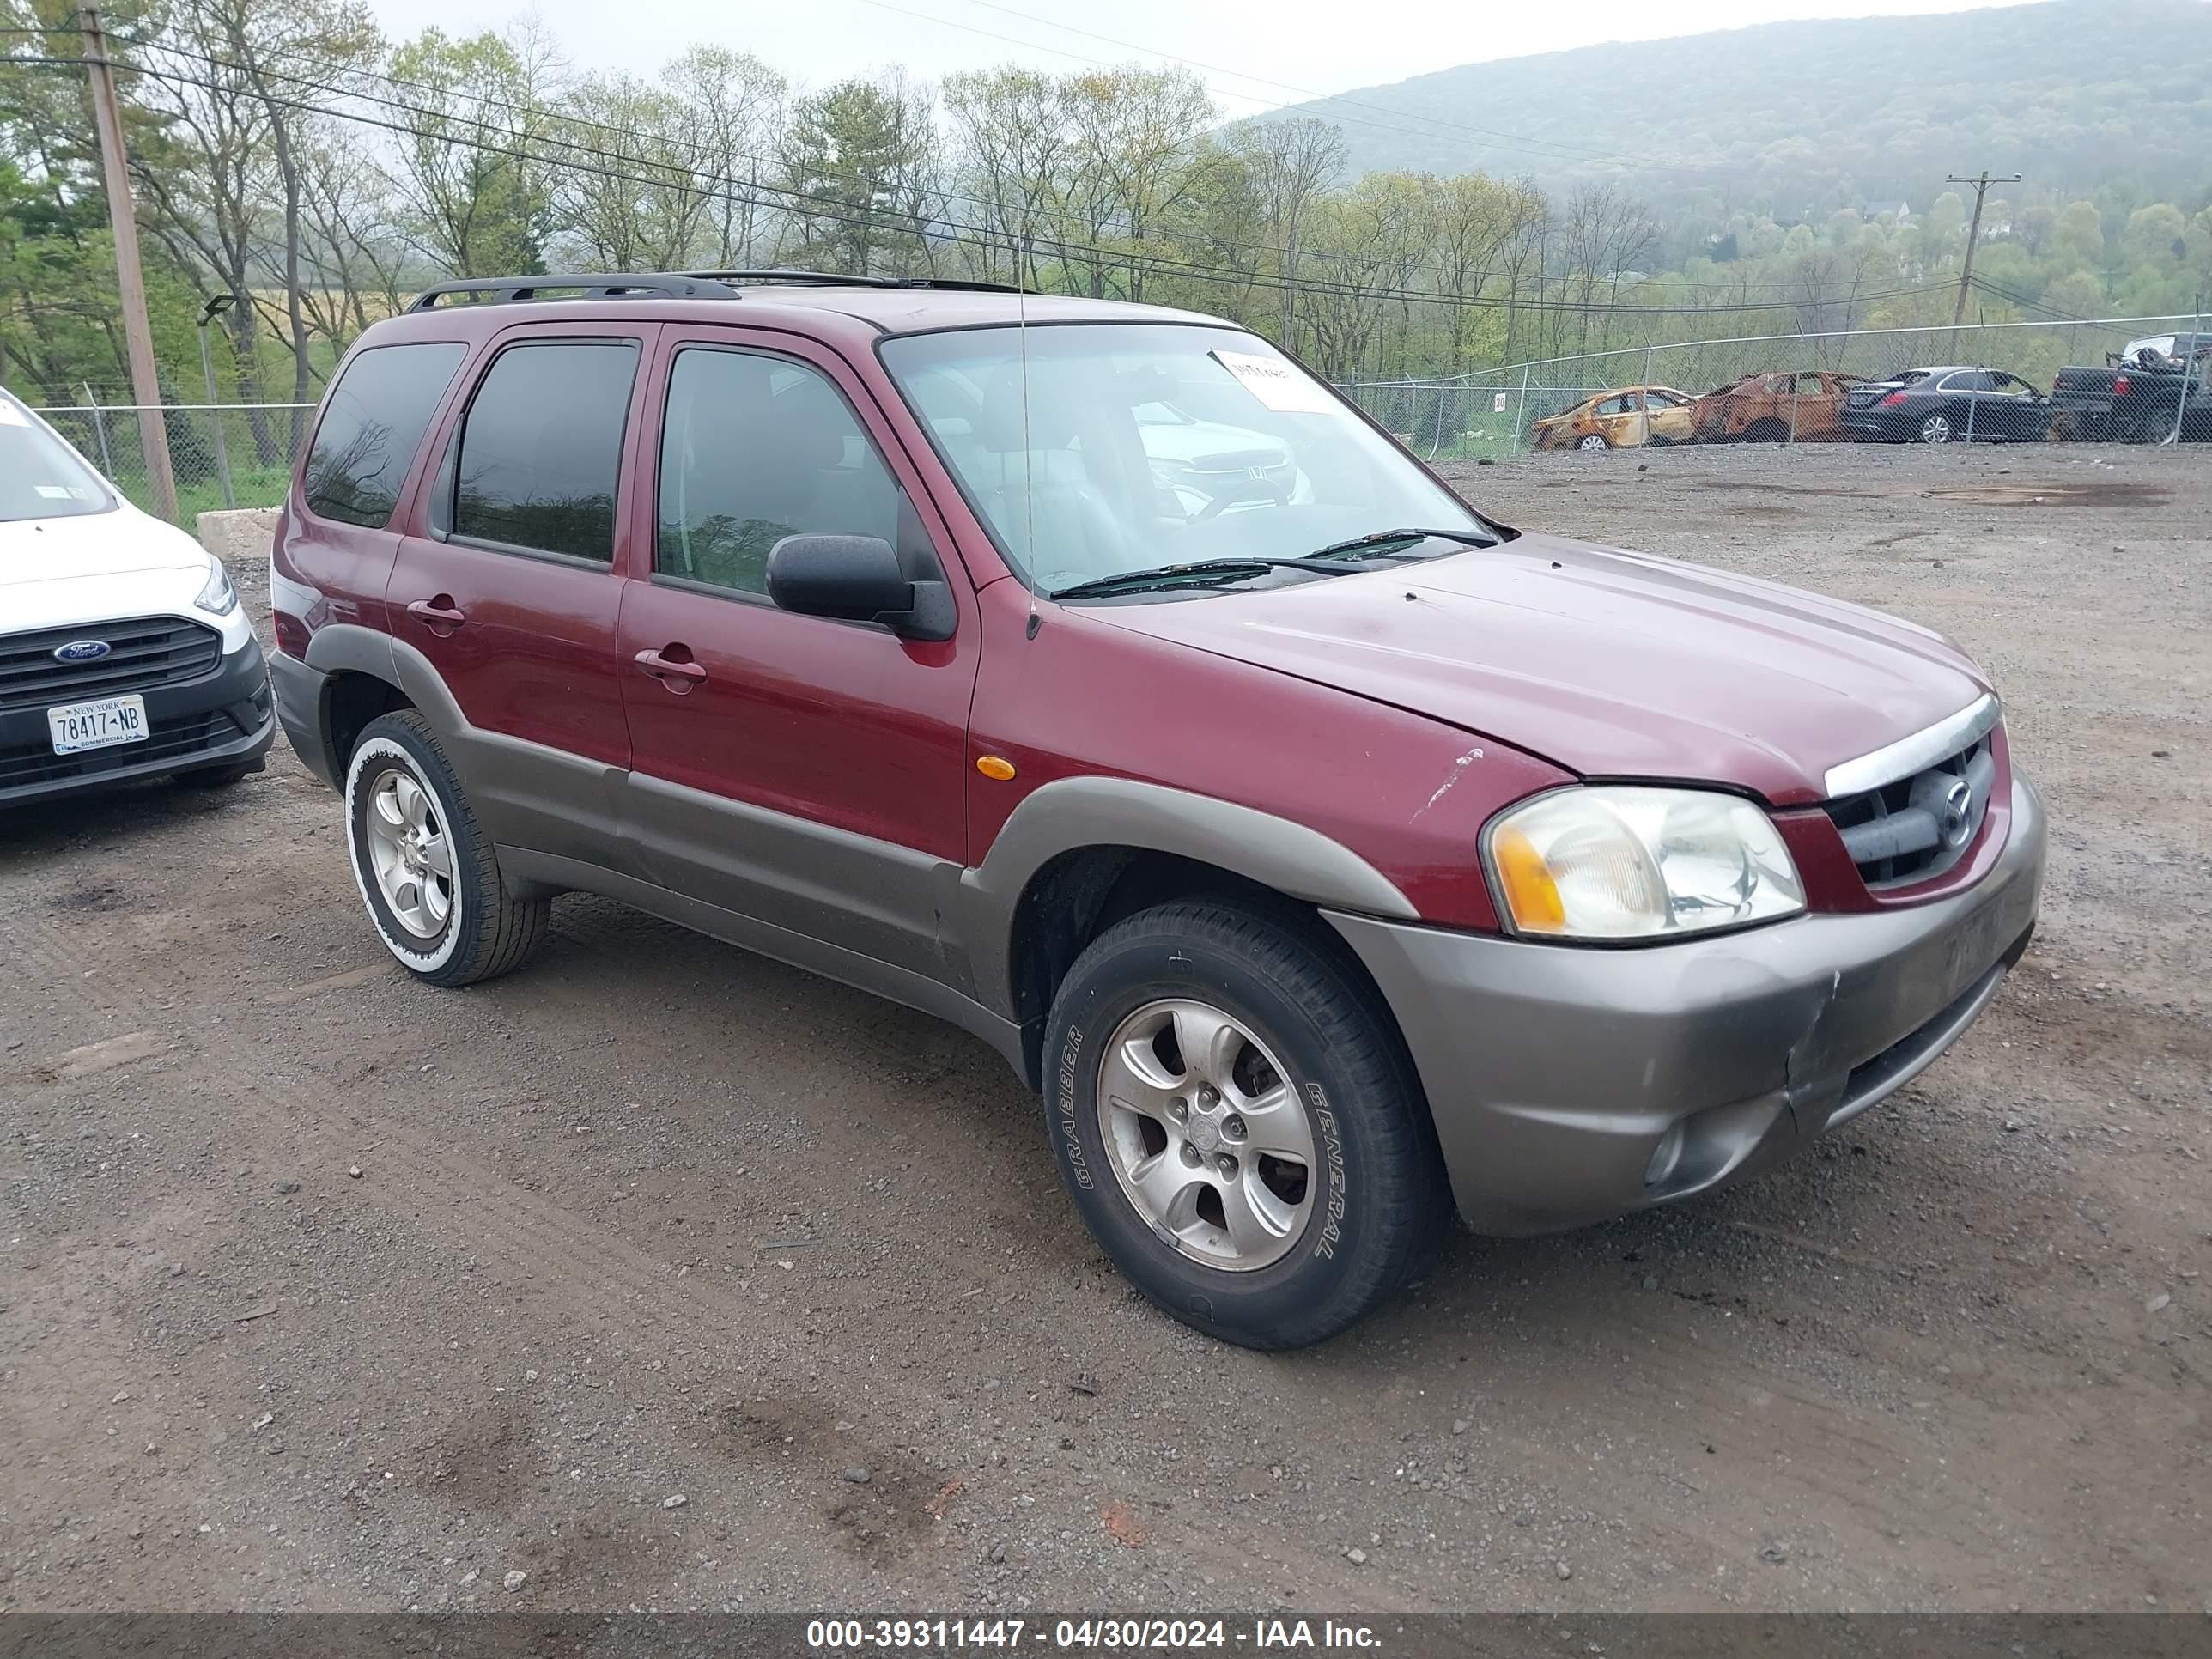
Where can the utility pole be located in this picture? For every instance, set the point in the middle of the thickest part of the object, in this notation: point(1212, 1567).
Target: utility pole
point(129, 280)
point(1973, 233)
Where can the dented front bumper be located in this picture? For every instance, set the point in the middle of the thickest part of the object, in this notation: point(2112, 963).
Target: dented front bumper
point(1569, 1084)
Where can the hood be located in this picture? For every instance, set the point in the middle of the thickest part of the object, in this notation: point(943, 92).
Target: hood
point(61, 572)
point(92, 544)
point(1608, 663)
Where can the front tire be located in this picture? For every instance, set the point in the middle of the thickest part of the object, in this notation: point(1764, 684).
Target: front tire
point(1594, 441)
point(427, 872)
point(1239, 1124)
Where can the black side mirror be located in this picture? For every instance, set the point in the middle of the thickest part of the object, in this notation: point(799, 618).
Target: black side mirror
point(857, 579)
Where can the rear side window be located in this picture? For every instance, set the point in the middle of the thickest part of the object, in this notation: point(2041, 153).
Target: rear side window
point(541, 447)
point(371, 428)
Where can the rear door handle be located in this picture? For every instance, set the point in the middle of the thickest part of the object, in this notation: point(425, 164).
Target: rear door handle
point(677, 674)
point(439, 610)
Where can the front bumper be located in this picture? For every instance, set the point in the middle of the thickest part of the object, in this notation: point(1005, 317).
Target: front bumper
point(223, 718)
point(1558, 1076)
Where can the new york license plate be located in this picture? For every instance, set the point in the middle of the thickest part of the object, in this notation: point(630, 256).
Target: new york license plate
point(77, 727)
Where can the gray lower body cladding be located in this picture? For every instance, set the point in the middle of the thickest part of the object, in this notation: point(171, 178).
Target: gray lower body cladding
point(1571, 1085)
point(1566, 1084)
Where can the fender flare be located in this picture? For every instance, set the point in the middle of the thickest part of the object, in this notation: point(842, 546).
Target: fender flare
point(1072, 813)
point(349, 647)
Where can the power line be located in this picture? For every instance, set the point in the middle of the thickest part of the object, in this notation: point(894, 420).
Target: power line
point(957, 232)
point(561, 117)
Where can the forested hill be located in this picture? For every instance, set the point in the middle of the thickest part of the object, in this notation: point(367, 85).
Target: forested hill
point(1814, 116)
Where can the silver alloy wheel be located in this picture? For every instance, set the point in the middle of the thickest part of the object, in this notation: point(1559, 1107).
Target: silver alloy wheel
point(1206, 1135)
point(1593, 441)
point(409, 853)
point(1935, 429)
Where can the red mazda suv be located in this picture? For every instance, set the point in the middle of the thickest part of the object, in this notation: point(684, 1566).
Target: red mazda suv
point(1330, 857)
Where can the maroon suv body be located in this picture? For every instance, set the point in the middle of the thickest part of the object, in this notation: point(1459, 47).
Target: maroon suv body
point(1087, 675)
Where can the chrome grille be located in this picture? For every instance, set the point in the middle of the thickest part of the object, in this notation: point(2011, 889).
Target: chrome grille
point(1916, 828)
point(142, 652)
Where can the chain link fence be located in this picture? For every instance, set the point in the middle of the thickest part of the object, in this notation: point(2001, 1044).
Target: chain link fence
point(226, 455)
point(1790, 386)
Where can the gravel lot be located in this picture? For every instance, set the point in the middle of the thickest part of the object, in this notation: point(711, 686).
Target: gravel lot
point(672, 1278)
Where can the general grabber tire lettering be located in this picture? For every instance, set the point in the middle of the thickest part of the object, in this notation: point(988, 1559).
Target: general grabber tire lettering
point(426, 869)
point(1239, 1122)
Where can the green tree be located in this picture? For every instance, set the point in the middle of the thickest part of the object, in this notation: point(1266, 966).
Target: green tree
point(2078, 239)
point(2156, 236)
point(470, 168)
point(858, 160)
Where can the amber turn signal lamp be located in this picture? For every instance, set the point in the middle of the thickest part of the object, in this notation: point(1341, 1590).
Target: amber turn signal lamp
point(1528, 890)
point(995, 766)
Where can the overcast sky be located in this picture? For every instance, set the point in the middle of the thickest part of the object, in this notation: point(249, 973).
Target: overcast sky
point(1254, 54)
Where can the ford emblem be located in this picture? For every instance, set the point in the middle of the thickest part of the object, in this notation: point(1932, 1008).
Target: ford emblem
point(83, 651)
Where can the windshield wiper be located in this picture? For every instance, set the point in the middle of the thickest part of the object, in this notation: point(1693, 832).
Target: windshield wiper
point(1200, 570)
point(1383, 538)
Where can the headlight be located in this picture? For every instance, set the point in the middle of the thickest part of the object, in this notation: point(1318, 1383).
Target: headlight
point(218, 597)
point(1624, 863)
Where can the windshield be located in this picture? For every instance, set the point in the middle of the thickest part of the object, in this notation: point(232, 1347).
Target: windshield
point(1139, 445)
point(40, 476)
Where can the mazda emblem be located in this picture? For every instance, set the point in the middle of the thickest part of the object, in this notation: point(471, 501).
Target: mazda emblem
point(1958, 805)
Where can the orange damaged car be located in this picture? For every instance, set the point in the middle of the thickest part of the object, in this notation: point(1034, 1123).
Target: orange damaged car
point(1630, 418)
point(1785, 407)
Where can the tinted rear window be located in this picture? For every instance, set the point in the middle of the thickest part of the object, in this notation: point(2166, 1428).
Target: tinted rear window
point(372, 427)
point(541, 445)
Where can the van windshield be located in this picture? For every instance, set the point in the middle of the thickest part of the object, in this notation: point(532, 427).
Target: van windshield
point(40, 476)
point(1136, 445)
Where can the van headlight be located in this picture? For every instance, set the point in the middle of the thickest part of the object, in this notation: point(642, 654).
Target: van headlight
point(1620, 862)
point(218, 597)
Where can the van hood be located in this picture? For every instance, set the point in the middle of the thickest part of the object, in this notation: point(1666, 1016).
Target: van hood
point(62, 573)
point(113, 544)
point(1608, 663)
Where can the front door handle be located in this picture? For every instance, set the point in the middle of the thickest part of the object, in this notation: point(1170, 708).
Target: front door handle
point(677, 674)
point(439, 613)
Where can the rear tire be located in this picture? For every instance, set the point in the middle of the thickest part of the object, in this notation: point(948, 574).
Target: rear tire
point(1935, 429)
point(1275, 1185)
point(427, 872)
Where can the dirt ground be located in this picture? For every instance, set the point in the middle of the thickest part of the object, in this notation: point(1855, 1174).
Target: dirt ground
point(674, 1278)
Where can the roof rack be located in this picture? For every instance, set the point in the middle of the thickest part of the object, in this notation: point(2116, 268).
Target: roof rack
point(837, 279)
point(506, 290)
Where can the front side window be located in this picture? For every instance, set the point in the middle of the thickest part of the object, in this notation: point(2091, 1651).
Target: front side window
point(540, 448)
point(371, 427)
point(40, 476)
point(754, 448)
point(1089, 450)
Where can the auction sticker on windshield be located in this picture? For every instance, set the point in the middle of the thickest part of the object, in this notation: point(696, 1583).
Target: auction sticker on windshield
point(80, 726)
point(1283, 387)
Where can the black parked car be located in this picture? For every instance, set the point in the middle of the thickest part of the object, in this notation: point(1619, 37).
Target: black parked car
point(1947, 405)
